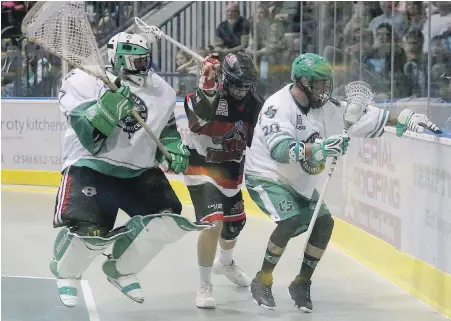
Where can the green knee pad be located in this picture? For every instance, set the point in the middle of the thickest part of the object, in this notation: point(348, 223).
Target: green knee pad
point(322, 231)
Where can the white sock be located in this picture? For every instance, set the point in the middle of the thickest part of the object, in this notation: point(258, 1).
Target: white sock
point(226, 256)
point(205, 274)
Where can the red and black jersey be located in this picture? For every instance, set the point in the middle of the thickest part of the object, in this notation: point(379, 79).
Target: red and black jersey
point(220, 130)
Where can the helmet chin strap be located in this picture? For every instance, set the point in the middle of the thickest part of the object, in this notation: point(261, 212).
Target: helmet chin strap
point(308, 92)
point(137, 79)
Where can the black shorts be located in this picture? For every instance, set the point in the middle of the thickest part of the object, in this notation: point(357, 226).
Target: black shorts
point(211, 205)
point(87, 196)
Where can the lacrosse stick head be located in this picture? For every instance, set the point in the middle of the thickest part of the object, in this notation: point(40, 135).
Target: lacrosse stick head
point(152, 33)
point(358, 96)
point(63, 29)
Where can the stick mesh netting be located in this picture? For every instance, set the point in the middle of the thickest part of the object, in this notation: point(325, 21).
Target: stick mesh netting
point(63, 29)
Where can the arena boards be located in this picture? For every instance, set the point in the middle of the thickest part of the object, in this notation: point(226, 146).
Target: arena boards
point(420, 279)
point(387, 197)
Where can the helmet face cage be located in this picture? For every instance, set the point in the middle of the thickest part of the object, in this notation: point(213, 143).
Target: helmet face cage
point(130, 53)
point(235, 88)
point(320, 91)
point(238, 76)
point(140, 64)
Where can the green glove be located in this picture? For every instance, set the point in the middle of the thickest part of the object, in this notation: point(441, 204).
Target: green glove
point(332, 146)
point(171, 139)
point(111, 107)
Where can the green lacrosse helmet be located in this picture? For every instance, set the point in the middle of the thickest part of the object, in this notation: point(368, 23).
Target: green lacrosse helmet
point(318, 72)
point(311, 66)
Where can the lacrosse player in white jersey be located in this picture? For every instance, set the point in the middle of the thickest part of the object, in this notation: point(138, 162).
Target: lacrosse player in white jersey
point(296, 132)
point(110, 163)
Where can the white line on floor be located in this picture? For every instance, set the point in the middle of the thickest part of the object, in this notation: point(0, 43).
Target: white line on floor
point(89, 300)
point(27, 277)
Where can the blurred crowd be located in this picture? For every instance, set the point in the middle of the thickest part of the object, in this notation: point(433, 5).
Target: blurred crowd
point(385, 43)
point(28, 70)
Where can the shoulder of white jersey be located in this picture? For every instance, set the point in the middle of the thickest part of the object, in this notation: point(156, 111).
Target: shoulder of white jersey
point(157, 82)
point(329, 106)
point(78, 78)
point(280, 97)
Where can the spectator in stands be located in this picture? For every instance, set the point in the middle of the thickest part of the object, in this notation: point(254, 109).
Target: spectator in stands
point(184, 62)
point(187, 80)
point(36, 64)
point(12, 64)
point(380, 56)
point(33, 78)
point(258, 36)
point(416, 66)
point(439, 22)
point(379, 62)
point(369, 11)
point(397, 20)
point(273, 8)
point(232, 35)
point(271, 42)
point(273, 61)
point(12, 14)
point(415, 15)
point(288, 13)
point(440, 61)
point(445, 86)
point(358, 42)
point(440, 50)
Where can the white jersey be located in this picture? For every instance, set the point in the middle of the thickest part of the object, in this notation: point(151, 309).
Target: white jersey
point(281, 118)
point(129, 148)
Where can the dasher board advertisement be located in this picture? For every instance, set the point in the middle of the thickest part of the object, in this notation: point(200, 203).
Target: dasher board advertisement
point(399, 190)
point(32, 132)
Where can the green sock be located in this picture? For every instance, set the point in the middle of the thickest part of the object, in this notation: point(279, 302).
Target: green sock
point(309, 264)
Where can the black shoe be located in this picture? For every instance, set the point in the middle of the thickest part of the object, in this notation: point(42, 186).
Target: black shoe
point(262, 294)
point(300, 293)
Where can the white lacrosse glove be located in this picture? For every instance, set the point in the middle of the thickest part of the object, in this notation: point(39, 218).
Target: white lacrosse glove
point(408, 120)
point(332, 146)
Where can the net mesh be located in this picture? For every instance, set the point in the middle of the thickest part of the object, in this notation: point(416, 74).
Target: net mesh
point(64, 30)
point(151, 33)
point(358, 96)
point(359, 93)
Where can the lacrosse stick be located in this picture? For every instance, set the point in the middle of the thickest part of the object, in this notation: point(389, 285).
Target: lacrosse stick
point(63, 29)
point(358, 96)
point(152, 33)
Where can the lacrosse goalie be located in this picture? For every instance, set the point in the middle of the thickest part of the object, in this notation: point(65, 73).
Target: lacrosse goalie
point(111, 164)
point(295, 134)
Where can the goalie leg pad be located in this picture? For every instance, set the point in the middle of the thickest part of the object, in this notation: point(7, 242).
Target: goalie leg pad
point(149, 235)
point(73, 252)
